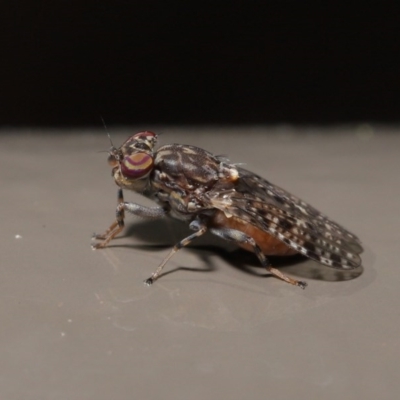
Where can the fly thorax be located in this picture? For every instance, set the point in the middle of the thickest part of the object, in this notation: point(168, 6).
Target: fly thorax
point(228, 173)
point(186, 204)
point(188, 166)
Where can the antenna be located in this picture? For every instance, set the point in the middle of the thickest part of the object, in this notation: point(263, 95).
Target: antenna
point(108, 133)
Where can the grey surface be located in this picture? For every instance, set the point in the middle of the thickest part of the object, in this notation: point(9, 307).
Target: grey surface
point(80, 324)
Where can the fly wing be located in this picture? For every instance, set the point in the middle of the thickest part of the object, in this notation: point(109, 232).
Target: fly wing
point(289, 219)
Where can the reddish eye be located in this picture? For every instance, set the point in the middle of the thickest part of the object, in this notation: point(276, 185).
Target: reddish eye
point(136, 165)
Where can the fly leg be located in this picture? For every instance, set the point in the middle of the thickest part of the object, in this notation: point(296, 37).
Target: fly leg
point(114, 225)
point(118, 225)
point(195, 225)
point(239, 237)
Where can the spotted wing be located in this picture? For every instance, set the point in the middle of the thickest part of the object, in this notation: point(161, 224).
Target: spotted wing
point(291, 220)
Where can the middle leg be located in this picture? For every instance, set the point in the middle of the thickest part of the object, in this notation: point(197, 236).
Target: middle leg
point(195, 225)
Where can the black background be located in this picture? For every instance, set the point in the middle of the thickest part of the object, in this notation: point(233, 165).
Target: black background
point(66, 62)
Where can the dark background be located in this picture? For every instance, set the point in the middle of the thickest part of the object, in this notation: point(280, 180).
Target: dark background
point(66, 62)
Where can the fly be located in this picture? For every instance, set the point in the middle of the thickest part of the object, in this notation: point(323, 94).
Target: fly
point(211, 194)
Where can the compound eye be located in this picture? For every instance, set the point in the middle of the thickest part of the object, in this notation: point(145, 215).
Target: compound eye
point(137, 165)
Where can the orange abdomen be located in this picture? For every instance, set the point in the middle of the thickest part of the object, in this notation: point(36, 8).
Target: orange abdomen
point(269, 245)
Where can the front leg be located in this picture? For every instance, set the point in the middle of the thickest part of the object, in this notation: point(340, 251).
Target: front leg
point(114, 225)
point(118, 225)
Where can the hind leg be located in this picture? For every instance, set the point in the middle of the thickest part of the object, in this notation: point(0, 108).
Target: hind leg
point(239, 237)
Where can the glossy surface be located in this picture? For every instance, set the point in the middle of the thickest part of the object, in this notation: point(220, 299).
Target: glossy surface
point(80, 324)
